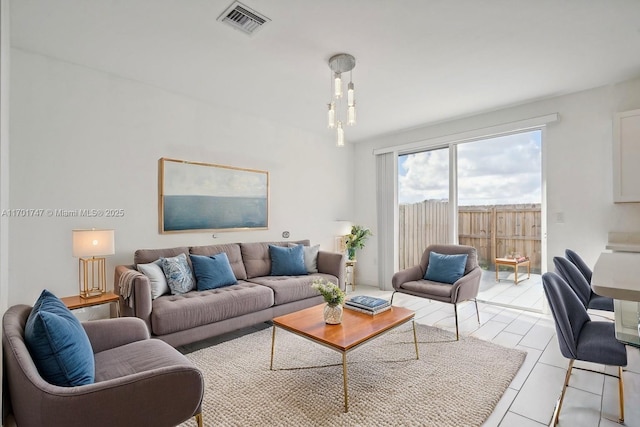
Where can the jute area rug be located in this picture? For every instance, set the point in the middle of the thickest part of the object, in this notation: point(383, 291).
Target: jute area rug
point(454, 383)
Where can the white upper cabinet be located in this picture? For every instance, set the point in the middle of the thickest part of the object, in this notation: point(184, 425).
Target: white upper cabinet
point(626, 157)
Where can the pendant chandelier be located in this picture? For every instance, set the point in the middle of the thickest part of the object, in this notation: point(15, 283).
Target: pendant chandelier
point(341, 63)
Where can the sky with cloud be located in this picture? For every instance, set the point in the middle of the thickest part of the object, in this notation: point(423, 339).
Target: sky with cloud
point(502, 170)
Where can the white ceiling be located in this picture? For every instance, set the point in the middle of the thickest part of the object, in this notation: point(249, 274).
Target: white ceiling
point(418, 61)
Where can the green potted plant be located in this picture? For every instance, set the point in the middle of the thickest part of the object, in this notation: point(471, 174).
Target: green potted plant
point(334, 297)
point(355, 240)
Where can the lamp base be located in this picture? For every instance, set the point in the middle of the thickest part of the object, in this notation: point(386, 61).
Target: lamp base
point(92, 293)
point(92, 277)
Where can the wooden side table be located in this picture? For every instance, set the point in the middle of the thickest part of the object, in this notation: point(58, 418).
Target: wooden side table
point(512, 262)
point(350, 274)
point(75, 301)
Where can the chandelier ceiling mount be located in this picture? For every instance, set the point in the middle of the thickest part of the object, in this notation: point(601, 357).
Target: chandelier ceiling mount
point(339, 64)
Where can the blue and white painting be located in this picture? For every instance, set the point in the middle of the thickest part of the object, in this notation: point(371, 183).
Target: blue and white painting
point(200, 196)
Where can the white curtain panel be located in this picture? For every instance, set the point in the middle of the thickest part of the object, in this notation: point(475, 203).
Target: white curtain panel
point(386, 190)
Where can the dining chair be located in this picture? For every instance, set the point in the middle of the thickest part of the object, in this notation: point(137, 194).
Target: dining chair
point(579, 262)
point(581, 338)
point(575, 278)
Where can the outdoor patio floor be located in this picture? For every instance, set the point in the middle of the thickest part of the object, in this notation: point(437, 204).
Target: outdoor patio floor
point(527, 294)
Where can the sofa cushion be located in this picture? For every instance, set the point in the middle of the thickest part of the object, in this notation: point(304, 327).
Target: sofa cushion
point(174, 313)
point(257, 261)
point(233, 253)
point(287, 261)
point(157, 279)
point(58, 344)
point(292, 288)
point(440, 291)
point(212, 271)
point(145, 256)
point(178, 273)
point(137, 357)
point(445, 268)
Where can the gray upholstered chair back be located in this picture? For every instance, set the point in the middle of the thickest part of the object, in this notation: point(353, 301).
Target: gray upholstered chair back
point(472, 255)
point(574, 279)
point(568, 313)
point(579, 262)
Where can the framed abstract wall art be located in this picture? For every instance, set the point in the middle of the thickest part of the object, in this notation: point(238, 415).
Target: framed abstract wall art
point(196, 196)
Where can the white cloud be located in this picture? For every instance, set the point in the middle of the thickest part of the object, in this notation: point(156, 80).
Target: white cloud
point(502, 170)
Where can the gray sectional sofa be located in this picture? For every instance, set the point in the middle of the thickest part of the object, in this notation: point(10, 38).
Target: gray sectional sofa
point(256, 297)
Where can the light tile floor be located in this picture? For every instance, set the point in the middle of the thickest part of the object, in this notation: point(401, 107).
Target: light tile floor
point(591, 400)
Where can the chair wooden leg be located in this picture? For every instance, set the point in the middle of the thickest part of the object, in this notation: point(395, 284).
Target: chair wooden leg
point(621, 393)
point(477, 312)
point(199, 419)
point(455, 314)
point(556, 413)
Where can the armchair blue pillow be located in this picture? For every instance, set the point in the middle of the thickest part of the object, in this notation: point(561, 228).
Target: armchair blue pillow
point(58, 343)
point(445, 268)
point(287, 261)
point(212, 271)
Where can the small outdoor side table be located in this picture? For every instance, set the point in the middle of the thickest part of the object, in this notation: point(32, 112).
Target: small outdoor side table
point(512, 262)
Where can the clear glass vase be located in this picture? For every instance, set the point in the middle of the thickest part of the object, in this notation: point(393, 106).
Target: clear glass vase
point(333, 314)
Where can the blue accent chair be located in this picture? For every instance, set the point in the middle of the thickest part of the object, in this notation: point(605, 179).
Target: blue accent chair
point(579, 337)
point(574, 277)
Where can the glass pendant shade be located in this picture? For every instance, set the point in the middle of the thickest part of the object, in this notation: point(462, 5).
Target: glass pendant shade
point(331, 115)
point(340, 135)
point(337, 86)
point(351, 115)
point(350, 95)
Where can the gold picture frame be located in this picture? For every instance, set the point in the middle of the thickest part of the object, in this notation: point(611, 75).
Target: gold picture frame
point(196, 196)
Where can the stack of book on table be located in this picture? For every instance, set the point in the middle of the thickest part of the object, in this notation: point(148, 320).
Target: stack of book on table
point(365, 304)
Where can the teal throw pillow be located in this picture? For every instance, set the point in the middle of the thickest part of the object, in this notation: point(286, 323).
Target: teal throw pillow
point(212, 271)
point(58, 344)
point(178, 273)
point(287, 261)
point(445, 268)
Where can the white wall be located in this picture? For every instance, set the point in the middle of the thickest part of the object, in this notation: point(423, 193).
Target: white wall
point(81, 138)
point(578, 163)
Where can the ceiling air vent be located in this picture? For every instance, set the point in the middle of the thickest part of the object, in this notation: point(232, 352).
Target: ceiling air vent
point(243, 18)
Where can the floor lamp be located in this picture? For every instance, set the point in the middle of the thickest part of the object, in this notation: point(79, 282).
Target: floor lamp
point(88, 245)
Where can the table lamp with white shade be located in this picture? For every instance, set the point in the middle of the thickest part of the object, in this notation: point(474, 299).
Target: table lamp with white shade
point(90, 246)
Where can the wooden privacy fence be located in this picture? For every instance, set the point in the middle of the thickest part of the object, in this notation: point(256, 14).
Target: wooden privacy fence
point(495, 231)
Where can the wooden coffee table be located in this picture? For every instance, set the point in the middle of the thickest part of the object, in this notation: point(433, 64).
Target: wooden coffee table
point(356, 329)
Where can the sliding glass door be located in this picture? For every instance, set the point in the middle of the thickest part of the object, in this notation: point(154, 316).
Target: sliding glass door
point(423, 203)
point(496, 184)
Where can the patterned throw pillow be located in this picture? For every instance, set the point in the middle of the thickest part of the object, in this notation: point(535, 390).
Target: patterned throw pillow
point(178, 273)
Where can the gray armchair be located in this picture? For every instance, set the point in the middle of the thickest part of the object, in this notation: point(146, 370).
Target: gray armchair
point(138, 381)
point(412, 282)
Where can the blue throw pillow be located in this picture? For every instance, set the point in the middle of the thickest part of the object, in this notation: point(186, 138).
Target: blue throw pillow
point(212, 271)
point(287, 261)
point(445, 268)
point(58, 344)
